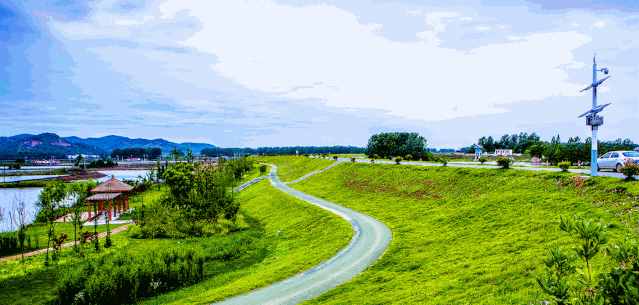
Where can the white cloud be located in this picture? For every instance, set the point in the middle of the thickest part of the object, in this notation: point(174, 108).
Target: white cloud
point(321, 52)
point(273, 48)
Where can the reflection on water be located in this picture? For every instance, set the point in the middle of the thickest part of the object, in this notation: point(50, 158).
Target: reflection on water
point(10, 199)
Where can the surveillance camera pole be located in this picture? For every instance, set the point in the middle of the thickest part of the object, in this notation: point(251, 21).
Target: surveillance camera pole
point(592, 119)
point(594, 143)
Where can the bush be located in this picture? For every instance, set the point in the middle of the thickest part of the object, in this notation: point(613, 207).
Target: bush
point(504, 162)
point(262, 169)
point(482, 160)
point(408, 157)
point(630, 170)
point(335, 158)
point(398, 160)
point(565, 165)
point(443, 161)
point(124, 279)
point(353, 159)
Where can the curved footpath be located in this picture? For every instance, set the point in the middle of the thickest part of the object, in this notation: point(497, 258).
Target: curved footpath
point(369, 242)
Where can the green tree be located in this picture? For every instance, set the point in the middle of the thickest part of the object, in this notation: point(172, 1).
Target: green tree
point(389, 144)
point(189, 155)
point(50, 199)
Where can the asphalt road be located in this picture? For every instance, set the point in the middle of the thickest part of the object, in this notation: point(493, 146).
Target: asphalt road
point(370, 240)
point(475, 165)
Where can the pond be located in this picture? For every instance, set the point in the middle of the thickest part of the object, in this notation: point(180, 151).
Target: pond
point(27, 177)
point(123, 174)
point(10, 199)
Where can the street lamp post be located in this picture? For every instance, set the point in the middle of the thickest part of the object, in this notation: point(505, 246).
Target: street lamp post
point(592, 119)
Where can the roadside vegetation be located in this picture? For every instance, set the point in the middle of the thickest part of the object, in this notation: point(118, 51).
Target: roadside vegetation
point(290, 168)
point(194, 241)
point(468, 236)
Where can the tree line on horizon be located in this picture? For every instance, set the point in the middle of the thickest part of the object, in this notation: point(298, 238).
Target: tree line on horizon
point(284, 150)
point(574, 150)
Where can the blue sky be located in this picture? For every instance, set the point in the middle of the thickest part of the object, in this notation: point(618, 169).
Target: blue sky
point(266, 73)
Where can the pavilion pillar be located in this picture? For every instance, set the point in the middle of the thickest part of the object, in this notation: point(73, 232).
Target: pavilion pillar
point(126, 202)
point(101, 208)
point(89, 208)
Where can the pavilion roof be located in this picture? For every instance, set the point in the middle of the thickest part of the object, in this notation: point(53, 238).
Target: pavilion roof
point(103, 196)
point(112, 186)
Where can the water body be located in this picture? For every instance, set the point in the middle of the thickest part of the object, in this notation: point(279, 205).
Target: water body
point(24, 178)
point(26, 169)
point(10, 199)
point(124, 174)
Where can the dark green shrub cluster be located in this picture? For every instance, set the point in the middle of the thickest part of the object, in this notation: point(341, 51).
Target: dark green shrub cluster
point(398, 160)
point(161, 221)
point(125, 279)
point(564, 165)
point(102, 164)
point(482, 159)
point(630, 170)
point(263, 169)
point(10, 243)
point(504, 162)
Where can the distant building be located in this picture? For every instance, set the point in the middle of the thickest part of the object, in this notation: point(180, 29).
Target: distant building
point(86, 157)
point(503, 152)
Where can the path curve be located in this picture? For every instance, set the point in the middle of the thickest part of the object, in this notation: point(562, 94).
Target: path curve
point(369, 242)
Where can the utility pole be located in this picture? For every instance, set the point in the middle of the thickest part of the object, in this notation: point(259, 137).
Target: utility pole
point(592, 119)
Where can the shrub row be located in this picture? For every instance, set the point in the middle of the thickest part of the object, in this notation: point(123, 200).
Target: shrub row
point(10, 243)
point(124, 279)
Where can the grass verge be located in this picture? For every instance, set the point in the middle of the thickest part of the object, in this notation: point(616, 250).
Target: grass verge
point(290, 168)
point(466, 236)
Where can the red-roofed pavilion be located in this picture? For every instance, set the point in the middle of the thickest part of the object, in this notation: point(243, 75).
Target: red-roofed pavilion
point(113, 191)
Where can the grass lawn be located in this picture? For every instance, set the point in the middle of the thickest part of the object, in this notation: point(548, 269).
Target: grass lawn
point(38, 233)
point(290, 168)
point(277, 236)
point(466, 236)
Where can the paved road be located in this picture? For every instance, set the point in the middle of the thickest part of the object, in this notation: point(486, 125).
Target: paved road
point(369, 242)
point(315, 172)
point(475, 165)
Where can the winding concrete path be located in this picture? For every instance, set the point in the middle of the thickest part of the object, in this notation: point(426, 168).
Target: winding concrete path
point(369, 242)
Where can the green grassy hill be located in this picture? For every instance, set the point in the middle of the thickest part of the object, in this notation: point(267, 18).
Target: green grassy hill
point(277, 236)
point(465, 236)
point(290, 168)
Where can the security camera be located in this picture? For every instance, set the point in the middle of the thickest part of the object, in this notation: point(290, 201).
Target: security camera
point(605, 70)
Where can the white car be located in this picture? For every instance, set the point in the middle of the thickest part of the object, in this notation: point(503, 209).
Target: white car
point(616, 159)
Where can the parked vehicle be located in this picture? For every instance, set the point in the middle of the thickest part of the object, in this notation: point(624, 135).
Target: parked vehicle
point(615, 159)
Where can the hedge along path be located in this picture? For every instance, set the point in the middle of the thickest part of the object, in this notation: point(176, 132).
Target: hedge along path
point(65, 245)
point(369, 242)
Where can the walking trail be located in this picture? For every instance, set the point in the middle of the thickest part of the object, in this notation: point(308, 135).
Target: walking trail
point(369, 242)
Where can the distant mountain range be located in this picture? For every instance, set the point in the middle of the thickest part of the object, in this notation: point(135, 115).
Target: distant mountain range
point(47, 145)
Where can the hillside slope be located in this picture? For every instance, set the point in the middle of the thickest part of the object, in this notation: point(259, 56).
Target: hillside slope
point(465, 236)
point(47, 145)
